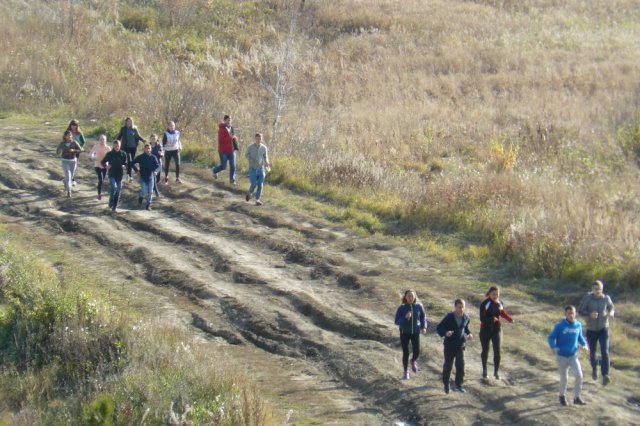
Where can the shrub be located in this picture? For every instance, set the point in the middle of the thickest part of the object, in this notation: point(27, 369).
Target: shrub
point(138, 19)
point(629, 136)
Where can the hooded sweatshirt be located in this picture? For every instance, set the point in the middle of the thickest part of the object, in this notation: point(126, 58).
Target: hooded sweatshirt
point(416, 323)
point(566, 336)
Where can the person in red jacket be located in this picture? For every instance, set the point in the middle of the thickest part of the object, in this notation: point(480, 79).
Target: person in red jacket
point(227, 145)
point(491, 312)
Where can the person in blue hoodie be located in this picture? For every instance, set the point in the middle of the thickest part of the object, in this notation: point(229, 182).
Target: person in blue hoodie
point(412, 320)
point(454, 328)
point(148, 167)
point(564, 341)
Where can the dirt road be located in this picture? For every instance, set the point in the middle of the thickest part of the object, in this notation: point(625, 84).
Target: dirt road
point(303, 305)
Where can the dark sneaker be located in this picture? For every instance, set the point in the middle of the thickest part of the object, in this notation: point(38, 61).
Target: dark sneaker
point(414, 366)
point(606, 380)
point(139, 200)
point(446, 389)
point(594, 374)
point(497, 376)
point(405, 376)
point(459, 389)
point(178, 181)
point(563, 400)
point(247, 197)
point(166, 181)
point(258, 203)
point(68, 194)
point(578, 401)
point(99, 197)
point(147, 208)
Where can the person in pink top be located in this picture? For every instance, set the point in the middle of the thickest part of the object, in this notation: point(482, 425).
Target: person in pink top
point(97, 153)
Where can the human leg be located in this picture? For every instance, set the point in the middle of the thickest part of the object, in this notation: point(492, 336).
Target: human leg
point(592, 341)
point(577, 374)
point(404, 342)
point(563, 369)
point(131, 154)
point(259, 183)
point(459, 367)
point(253, 178)
point(496, 340)
point(449, 355)
point(67, 173)
point(603, 339)
point(223, 163)
point(485, 337)
point(232, 167)
point(176, 159)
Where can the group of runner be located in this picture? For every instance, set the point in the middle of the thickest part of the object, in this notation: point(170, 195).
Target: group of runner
point(113, 162)
point(564, 340)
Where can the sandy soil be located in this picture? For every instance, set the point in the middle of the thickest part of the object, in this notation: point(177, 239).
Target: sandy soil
point(306, 306)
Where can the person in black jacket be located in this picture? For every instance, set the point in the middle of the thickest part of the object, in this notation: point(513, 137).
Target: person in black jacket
point(129, 137)
point(491, 310)
point(116, 163)
point(148, 167)
point(454, 327)
point(412, 320)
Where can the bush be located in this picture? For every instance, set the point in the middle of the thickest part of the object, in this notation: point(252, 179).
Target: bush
point(139, 19)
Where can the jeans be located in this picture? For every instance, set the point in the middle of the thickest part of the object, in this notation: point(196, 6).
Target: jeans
point(602, 337)
point(415, 345)
point(69, 170)
point(114, 192)
point(224, 158)
point(256, 176)
point(168, 155)
point(146, 190)
point(495, 338)
point(564, 362)
point(449, 355)
point(131, 154)
point(101, 175)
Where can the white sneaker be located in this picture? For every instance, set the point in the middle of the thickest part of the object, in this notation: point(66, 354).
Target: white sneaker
point(73, 183)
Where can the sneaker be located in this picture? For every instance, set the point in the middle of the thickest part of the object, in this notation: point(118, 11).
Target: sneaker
point(405, 376)
point(594, 374)
point(460, 389)
point(606, 380)
point(258, 203)
point(233, 182)
point(73, 183)
point(178, 181)
point(68, 194)
point(99, 196)
point(563, 400)
point(414, 366)
point(148, 208)
point(247, 197)
point(497, 376)
point(166, 181)
point(215, 175)
point(446, 389)
point(139, 201)
point(113, 209)
point(578, 401)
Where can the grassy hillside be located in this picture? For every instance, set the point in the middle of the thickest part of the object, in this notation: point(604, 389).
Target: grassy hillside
point(506, 126)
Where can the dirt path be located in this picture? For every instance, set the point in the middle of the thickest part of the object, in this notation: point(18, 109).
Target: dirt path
point(305, 306)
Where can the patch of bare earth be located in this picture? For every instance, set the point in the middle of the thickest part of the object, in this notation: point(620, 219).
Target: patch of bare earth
point(306, 308)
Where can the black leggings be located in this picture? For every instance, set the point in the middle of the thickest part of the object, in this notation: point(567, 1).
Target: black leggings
point(168, 155)
point(415, 345)
point(131, 154)
point(495, 337)
point(101, 175)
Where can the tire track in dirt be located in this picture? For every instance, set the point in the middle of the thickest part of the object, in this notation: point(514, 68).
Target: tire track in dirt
point(319, 302)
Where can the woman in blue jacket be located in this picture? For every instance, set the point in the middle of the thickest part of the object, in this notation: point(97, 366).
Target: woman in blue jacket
point(412, 320)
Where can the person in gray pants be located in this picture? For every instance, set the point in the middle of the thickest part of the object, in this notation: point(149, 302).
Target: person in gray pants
point(597, 308)
point(564, 341)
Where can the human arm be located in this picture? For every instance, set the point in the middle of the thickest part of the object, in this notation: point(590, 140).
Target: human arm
point(504, 315)
point(467, 332)
point(583, 307)
point(139, 138)
point(553, 339)
point(81, 140)
point(611, 310)
point(423, 318)
point(443, 328)
point(399, 315)
point(266, 157)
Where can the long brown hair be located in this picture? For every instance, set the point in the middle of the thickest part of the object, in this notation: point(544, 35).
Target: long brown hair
point(77, 123)
point(404, 296)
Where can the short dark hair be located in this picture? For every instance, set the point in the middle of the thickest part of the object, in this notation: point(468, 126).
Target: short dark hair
point(226, 116)
point(458, 302)
point(569, 308)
